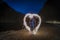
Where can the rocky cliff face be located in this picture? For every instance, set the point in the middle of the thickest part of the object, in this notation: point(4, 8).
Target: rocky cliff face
point(9, 18)
point(51, 10)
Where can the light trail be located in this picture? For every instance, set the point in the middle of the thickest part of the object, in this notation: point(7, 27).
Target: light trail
point(53, 22)
point(31, 16)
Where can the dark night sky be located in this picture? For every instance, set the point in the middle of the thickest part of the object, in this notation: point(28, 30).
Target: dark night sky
point(26, 6)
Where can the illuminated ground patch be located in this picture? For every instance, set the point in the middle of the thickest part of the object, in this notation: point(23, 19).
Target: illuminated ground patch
point(45, 33)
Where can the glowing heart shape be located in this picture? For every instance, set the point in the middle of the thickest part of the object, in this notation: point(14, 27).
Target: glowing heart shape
point(31, 16)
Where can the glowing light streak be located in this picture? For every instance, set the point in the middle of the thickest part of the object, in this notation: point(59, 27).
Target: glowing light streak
point(31, 16)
